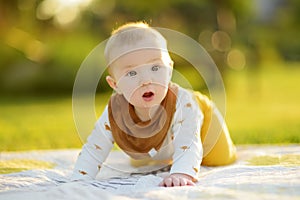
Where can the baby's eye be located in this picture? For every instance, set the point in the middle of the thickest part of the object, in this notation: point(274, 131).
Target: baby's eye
point(155, 68)
point(131, 73)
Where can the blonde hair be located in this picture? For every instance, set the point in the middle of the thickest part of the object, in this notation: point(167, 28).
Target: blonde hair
point(128, 36)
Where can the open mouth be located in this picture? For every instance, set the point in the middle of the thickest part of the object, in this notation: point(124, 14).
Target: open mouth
point(148, 96)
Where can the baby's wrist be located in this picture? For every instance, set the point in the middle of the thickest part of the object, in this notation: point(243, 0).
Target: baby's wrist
point(182, 175)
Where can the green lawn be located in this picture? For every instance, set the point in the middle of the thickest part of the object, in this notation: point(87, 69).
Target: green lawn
point(261, 108)
point(37, 123)
point(264, 107)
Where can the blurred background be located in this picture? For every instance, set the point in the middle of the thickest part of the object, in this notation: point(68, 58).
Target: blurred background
point(255, 44)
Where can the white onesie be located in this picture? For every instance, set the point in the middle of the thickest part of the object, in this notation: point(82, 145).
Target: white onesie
point(182, 144)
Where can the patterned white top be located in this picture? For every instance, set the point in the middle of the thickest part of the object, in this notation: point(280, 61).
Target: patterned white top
point(182, 144)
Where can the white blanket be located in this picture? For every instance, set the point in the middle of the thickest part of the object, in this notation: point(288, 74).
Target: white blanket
point(241, 180)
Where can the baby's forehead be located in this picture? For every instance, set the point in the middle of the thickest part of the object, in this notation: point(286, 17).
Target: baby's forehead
point(144, 44)
point(141, 56)
point(117, 48)
point(137, 50)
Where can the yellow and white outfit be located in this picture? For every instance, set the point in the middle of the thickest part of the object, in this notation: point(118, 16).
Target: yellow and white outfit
point(191, 133)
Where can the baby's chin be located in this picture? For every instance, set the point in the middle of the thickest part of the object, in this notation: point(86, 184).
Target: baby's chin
point(146, 102)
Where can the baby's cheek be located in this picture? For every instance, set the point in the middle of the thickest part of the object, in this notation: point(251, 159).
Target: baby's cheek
point(128, 87)
point(131, 95)
point(162, 78)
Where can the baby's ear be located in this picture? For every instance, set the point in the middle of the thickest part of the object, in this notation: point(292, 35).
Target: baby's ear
point(171, 69)
point(112, 83)
point(171, 63)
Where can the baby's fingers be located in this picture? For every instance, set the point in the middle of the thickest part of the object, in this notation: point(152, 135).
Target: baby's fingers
point(190, 183)
point(173, 181)
point(183, 182)
point(167, 182)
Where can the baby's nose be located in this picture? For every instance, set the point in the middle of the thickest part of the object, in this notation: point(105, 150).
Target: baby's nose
point(145, 79)
point(146, 82)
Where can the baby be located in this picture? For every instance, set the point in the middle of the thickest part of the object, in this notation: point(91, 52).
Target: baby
point(150, 118)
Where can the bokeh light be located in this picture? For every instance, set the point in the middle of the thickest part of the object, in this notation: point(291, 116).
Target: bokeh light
point(205, 40)
point(236, 59)
point(221, 41)
point(226, 20)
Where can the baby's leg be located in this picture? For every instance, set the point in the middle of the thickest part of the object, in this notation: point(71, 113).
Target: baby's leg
point(218, 146)
point(222, 153)
point(218, 149)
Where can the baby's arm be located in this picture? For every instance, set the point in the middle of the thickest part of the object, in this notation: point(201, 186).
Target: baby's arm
point(95, 151)
point(188, 150)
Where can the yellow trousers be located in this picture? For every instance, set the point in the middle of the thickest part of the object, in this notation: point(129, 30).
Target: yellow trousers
point(218, 148)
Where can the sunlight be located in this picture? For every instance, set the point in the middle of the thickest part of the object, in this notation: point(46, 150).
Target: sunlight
point(23, 41)
point(64, 12)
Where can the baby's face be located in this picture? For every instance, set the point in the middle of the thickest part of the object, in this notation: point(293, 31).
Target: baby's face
point(142, 76)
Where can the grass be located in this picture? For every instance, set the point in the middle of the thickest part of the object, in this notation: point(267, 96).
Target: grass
point(37, 123)
point(264, 107)
point(261, 108)
point(288, 160)
point(17, 165)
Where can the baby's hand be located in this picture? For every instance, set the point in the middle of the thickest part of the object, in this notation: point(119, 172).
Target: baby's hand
point(177, 180)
